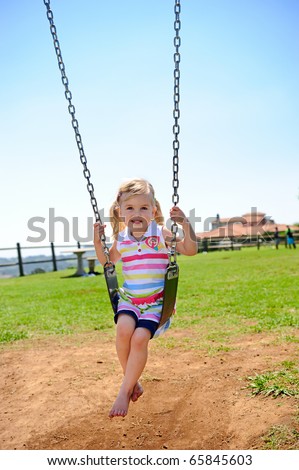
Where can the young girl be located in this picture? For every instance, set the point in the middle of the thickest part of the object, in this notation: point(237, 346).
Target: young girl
point(140, 241)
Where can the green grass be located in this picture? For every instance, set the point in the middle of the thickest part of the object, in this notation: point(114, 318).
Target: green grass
point(282, 437)
point(50, 303)
point(226, 294)
point(221, 295)
point(284, 381)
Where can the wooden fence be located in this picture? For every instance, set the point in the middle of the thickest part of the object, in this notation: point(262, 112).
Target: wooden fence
point(52, 259)
point(234, 243)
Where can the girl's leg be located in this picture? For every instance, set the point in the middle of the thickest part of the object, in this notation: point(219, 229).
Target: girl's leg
point(135, 364)
point(124, 331)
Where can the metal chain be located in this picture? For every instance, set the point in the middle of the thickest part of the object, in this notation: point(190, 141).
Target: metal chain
point(75, 124)
point(176, 116)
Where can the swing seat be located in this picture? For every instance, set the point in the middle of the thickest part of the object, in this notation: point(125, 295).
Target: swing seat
point(112, 284)
point(170, 291)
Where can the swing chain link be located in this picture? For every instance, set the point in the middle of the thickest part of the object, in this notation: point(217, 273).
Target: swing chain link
point(75, 124)
point(176, 116)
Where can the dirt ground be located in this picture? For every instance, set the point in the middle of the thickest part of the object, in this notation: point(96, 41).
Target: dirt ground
point(56, 394)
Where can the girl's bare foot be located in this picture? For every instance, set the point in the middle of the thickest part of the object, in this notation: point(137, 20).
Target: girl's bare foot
point(120, 406)
point(137, 392)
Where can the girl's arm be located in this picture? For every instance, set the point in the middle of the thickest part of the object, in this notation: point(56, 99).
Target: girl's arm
point(114, 254)
point(188, 244)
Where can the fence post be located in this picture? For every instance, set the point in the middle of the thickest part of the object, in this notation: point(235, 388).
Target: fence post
point(20, 259)
point(53, 257)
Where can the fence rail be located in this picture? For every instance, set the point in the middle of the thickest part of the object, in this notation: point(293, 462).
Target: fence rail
point(233, 243)
point(52, 259)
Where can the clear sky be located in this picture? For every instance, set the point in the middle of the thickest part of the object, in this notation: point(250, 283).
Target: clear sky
point(239, 108)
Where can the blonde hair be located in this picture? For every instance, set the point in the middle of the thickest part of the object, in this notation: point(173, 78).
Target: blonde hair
point(128, 189)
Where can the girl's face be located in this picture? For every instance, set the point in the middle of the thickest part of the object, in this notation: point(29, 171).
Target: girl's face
point(137, 212)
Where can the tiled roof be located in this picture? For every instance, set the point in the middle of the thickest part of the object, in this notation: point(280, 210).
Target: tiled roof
point(251, 217)
point(243, 230)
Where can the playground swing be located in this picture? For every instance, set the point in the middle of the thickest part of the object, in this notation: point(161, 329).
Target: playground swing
point(172, 271)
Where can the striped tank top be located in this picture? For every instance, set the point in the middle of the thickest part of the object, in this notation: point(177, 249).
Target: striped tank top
point(144, 264)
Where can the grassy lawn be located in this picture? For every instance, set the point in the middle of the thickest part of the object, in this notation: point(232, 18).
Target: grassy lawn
point(230, 293)
point(220, 295)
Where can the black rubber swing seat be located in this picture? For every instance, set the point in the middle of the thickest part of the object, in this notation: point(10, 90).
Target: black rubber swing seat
point(170, 289)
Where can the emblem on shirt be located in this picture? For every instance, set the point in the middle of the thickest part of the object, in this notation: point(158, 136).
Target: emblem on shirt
point(153, 242)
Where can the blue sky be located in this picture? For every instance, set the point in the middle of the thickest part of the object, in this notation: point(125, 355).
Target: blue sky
point(239, 108)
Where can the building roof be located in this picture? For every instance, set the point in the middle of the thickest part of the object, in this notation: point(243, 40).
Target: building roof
point(254, 217)
point(239, 230)
point(249, 217)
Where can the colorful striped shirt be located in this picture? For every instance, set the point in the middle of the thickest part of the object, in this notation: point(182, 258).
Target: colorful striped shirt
point(144, 264)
